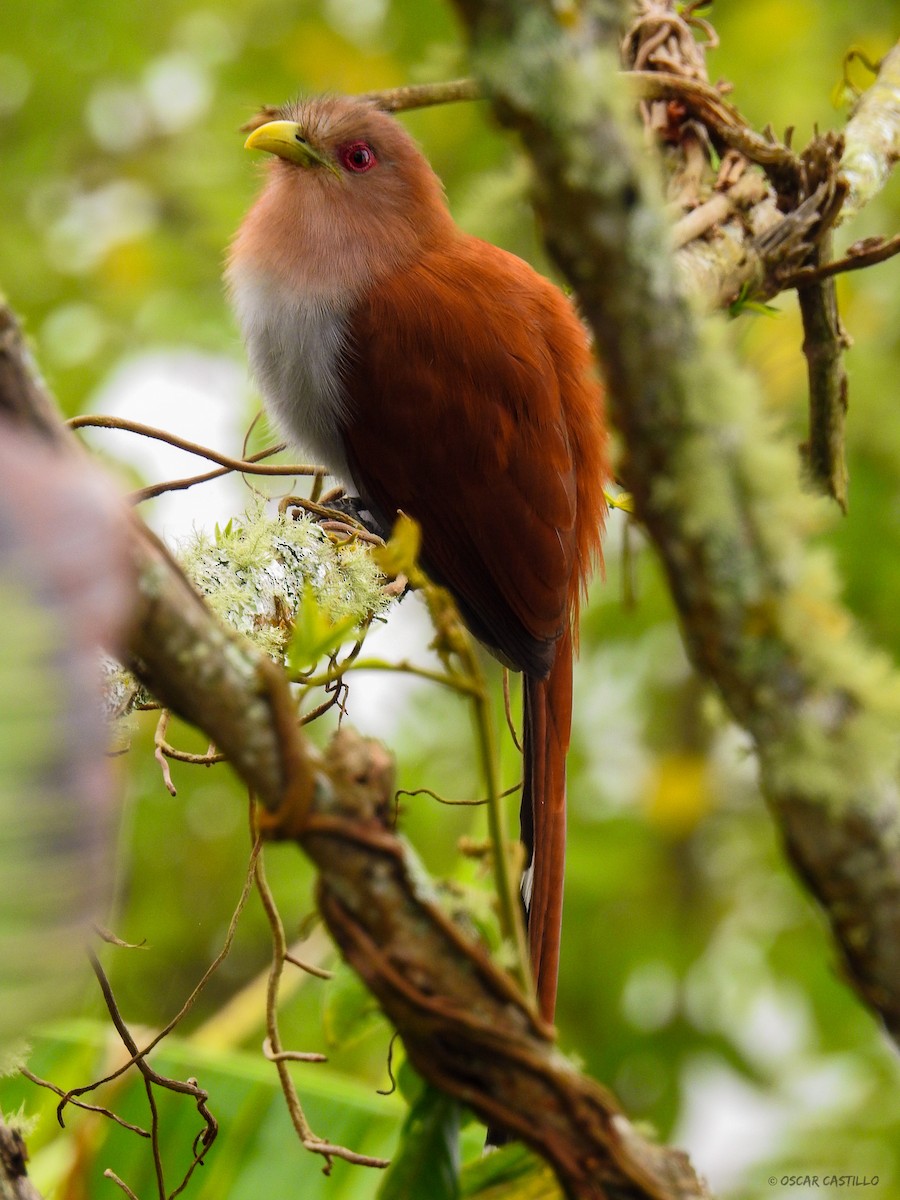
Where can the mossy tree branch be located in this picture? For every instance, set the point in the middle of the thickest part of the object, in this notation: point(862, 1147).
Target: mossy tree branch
point(716, 493)
point(465, 1024)
point(872, 137)
point(719, 499)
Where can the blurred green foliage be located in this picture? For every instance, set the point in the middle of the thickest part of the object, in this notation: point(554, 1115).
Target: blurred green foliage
point(697, 979)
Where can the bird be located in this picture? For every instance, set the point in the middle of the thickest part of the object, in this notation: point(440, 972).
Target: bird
point(435, 374)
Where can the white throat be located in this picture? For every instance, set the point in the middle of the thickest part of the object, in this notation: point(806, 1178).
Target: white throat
point(296, 343)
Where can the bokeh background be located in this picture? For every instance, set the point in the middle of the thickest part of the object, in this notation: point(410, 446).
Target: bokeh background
point(697, 979)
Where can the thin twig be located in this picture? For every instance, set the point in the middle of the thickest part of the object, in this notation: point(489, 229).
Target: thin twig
point(176, 485)
point(164, 750)
point(279, 1056)
point(309, 968)
point(707, 103)
point(158, 753)
point(207, 1134)
point(390, 1068)
point(750, 189)
point(823, 345)
point(392, 99)
point(433, 795)
point(208, 759)
point(152, 1078)
point(507, 709)
point(274, 1050)
point(244, 466)
point(425, 95)
point(824, 339)
point(106, 935)
point(70, 1099)
point(110, 1174)
point(334, 700)
point(273, 1038)
point(456, 681)
point(192, 998)
point(866, 253)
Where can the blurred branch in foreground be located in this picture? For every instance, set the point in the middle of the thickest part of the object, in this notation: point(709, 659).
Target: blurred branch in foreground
point(64, 586)
point(14, 1181)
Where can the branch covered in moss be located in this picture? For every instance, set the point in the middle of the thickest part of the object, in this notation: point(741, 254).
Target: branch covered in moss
point(214, 678)
point(717, 494)
point(466, 1025)
point(872, 137)
point(752, 237)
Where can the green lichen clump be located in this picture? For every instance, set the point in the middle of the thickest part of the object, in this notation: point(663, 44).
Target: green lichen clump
point(255, 571)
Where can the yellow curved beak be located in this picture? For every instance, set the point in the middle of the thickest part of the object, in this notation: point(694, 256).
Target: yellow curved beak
point(286, 139)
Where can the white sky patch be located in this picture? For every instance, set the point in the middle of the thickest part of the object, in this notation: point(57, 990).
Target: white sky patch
point(776, 1027)
point(202, 398)
point(179, 90)
point(726, 1124)
point(650, 996)
point(827, 1085)
point(117, 117)
point(378, 700)
point(199, 397)
point(609, 714)
point(358, 20)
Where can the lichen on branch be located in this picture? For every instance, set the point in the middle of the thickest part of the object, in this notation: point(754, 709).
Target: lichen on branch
point(468, 1027)
point(872, 137)
point(254, 574)
point(715, 488)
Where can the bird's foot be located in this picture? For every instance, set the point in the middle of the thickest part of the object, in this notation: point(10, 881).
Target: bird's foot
point(340, 514)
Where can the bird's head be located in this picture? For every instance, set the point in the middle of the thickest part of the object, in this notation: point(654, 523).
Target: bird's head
point(349, 193)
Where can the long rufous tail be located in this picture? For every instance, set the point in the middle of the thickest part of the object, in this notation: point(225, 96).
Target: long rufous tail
point(547, 723)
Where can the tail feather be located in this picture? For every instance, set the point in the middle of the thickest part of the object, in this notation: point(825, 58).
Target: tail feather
point(542, 818)
point(547, 724)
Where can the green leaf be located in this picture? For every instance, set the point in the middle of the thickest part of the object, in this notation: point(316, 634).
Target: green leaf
point(256, 1153)
point(744, 303)
point(348, 1009)
point(511, 1173)
point(426, 1166)
point(222, 535)
point(315, 633)
point(400, 554)
point(409, 1082)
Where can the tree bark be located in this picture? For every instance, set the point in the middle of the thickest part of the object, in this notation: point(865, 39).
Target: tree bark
point(716, 492)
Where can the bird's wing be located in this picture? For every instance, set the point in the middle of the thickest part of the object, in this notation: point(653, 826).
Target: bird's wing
point(457, 419)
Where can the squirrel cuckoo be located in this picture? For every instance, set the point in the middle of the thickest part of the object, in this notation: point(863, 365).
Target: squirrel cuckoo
point(432, 372)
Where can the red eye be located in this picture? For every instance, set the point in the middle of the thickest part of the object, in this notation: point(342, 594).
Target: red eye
point(358, 157)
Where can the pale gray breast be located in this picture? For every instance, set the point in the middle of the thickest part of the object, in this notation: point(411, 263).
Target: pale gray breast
point(295, 345)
